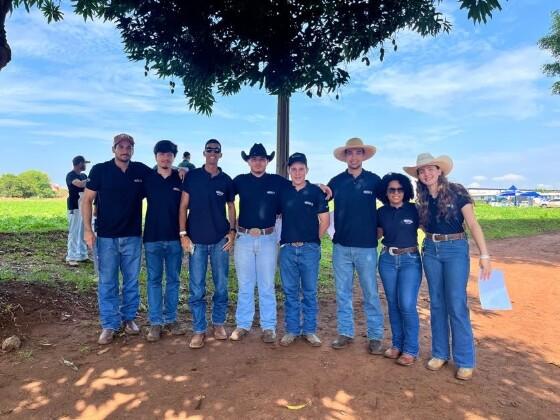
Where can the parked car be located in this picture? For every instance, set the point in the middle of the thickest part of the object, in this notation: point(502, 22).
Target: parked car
point(555, 202)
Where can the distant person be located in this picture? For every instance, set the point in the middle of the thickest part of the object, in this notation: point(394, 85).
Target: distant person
point(400, 267)
point(186, 162)
point(443, 209)
point(355, 244)
point(117, 187)
point(76, 181)
point(207, 234)
point(305, 219)
point(161, 242)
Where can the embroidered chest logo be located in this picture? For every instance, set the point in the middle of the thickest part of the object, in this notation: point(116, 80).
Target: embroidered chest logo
point(271, 192)
point(138, 180)
point(450, 206)
point(407, 221)
point(308, 203)
point(176, 189)
point(369, 192)
point(219, 193)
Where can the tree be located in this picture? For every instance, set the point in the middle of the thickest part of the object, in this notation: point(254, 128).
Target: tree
point(552, 42)
point(25, 185)
point(283, 46)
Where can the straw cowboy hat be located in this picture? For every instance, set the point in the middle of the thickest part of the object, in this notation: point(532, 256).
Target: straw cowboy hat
point(354, 143)
point(424, 159)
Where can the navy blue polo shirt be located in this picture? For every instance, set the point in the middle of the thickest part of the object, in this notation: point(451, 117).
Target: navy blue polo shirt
point(258, 199)
point(162, 215)
point(207, 222)
point(119, 198)
point(299, 213)
point(399, 224)
point(437, 224)
point(355, 213)
point(73, 191)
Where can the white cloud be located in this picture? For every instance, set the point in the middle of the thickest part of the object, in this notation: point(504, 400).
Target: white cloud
point(479, 178)
point(509, 177)
point(474, 185)
point(504, 86)
point(14, 122)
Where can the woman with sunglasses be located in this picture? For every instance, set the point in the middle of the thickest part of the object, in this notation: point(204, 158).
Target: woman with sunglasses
point(443, 209)
point(400, 266)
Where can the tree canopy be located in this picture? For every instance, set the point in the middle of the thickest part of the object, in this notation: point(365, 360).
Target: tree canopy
point(28, 184)
point(551, 42)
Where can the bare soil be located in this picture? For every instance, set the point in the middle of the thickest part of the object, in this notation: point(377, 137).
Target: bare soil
point(60, 371)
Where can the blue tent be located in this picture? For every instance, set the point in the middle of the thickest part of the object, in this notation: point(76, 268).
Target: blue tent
point(512, 191)
point(532, 194)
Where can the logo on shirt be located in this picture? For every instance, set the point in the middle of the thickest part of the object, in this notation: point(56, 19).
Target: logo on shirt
point(370, 192)
point(450, 206)
point(407, 221)
point(138, 180)
point(309, 203)
point(219, 193)
point(271, 192)
point(176, 189)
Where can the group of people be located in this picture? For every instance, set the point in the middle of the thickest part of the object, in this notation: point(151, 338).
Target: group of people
point(194, 212)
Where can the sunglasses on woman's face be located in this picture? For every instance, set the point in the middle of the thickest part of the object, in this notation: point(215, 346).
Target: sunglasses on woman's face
point(395, 190)
point(213, 150)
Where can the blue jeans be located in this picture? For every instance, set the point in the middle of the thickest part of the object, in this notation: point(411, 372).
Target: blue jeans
point(299, 268)
point(77, 249)
point(198, 264)
point(401, 276)
point(447, 266)
point(162, 307)
point(255, 264)
point(364, 261)
point(113, 255)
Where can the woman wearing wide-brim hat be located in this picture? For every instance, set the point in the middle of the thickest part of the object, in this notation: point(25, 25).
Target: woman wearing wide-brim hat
point(444, 208)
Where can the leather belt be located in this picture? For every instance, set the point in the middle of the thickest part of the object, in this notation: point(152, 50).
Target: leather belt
point(399, 251)
point(439, 237)
point(256, 231)
point(297, 244)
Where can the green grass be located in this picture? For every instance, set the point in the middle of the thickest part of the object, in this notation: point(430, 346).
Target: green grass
point(33, 215)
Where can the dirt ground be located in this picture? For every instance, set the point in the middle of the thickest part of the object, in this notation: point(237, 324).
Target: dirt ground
point(518, 374)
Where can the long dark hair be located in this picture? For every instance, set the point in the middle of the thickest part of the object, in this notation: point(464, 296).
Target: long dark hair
point(446, 193)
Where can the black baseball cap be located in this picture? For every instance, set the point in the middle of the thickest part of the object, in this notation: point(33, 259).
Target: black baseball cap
point(297, 157)
point(79, 159)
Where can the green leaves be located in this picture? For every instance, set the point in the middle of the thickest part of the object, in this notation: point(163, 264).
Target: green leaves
point(480, 10)
point(551, 42)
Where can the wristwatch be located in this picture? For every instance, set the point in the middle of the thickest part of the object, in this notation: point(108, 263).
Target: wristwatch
point(233, 230)
point(183, 233)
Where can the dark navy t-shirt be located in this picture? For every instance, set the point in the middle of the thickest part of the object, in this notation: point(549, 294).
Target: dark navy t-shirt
point(439, 224)
point(299, 213)
point(162, 216)
point(400, 225)
point(207, 222)
point(73, 191)
point(258, 199)
point(119, 198)
point(355, 214)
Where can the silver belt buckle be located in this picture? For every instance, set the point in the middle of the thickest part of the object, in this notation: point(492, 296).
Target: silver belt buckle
point(391, 250)
point(434, 238)
point(255, 232)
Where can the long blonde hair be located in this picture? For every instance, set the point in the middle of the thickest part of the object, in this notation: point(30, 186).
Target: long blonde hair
point(446, 193)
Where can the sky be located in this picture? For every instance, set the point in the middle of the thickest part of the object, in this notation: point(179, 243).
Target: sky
point(477, 94)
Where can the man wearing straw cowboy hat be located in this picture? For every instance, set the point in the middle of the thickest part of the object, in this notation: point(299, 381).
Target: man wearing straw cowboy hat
point(355, 243)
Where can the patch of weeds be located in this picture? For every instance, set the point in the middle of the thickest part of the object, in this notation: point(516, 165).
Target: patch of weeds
point(25, 355)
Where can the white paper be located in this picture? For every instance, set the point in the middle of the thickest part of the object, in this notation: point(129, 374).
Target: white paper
point(493, 292)
point(330, 229)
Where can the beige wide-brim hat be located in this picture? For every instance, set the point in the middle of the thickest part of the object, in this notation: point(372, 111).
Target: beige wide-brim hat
point(424, 159)
point(354, 143)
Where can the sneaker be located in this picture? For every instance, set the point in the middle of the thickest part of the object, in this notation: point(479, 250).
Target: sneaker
point(197, 341)
point(375, 347)
point(287, 339)
point(106, 336)
point(154, 333)
point(220, 332)
point(464, 374)
point(406, 360)
point(131, 328)
point(238, 334)
point(175, 328)
point(341, 341)
point(392, 353)
point(72, 263)
point(313, 339)
point(269, 336)
point(436, 364)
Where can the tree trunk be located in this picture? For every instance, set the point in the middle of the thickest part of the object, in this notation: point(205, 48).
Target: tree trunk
point(5, 52)
point(283, 135)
